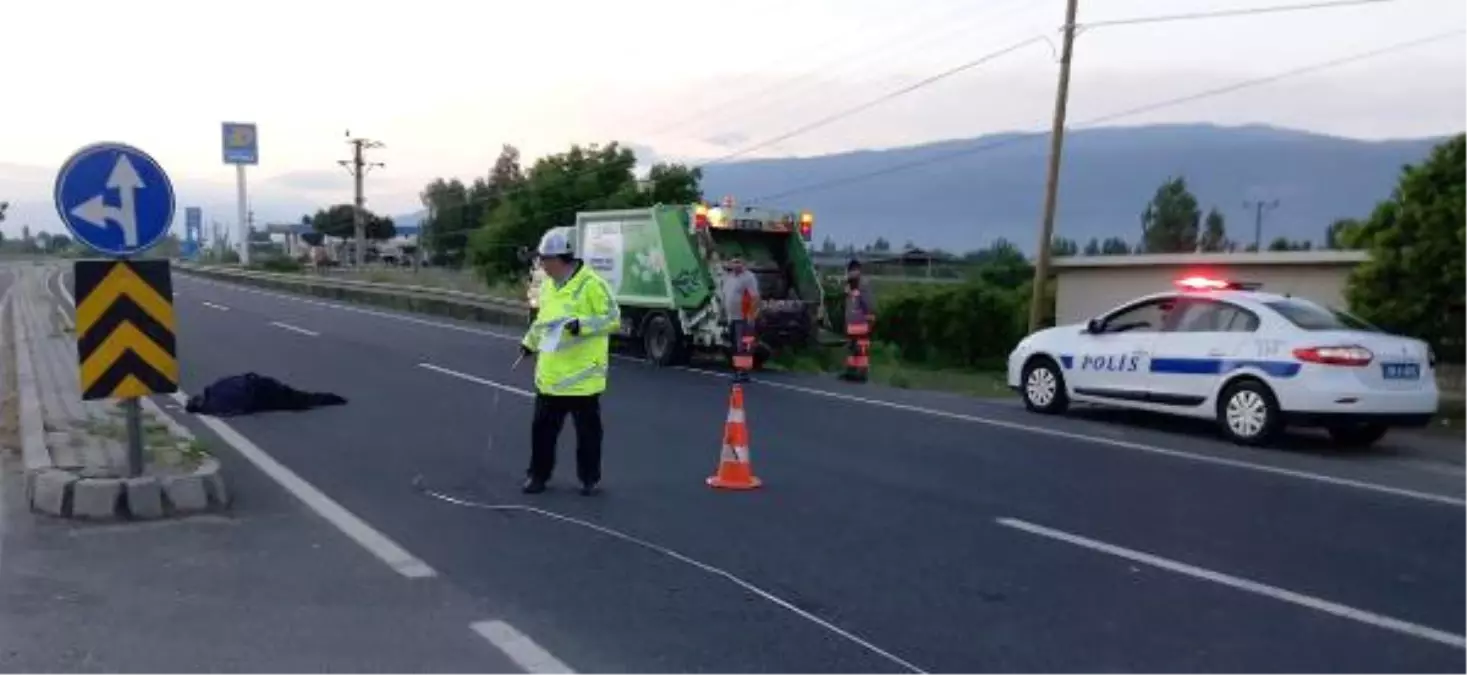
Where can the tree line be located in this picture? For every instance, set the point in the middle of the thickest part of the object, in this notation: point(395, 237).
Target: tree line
point(1412, 284)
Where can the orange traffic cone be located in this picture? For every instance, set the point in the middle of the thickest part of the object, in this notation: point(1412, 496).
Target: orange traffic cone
point(734, 470)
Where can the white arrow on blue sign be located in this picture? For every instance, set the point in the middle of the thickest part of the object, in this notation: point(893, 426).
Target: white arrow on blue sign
point(114, 198)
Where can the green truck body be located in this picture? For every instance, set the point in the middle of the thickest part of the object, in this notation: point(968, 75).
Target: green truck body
point(665, 264)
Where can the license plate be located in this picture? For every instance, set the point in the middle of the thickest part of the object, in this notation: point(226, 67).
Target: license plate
point(1400, 371)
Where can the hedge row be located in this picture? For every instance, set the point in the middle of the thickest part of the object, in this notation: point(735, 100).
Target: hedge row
point(973, 324)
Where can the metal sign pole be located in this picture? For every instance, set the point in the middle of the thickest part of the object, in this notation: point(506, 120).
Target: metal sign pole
point(134, 437)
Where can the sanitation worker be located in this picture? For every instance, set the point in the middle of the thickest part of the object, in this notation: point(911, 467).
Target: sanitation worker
point(860, 315)
point(570, 340)
point(740, 289)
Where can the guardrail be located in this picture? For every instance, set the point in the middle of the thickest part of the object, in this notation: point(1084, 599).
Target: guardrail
point(419, 299)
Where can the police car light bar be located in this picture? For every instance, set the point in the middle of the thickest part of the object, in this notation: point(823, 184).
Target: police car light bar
point(1197, 283)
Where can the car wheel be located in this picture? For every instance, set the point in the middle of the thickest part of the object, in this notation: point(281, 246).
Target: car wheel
point(1248, 413)
point(1359, 435)
point(1044, 388)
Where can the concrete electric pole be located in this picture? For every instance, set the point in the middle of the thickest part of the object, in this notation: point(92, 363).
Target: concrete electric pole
point(1051, 189)
point(1258, 207)
point(358, 166)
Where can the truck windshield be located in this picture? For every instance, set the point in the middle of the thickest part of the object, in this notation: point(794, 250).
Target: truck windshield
point(1310, 316)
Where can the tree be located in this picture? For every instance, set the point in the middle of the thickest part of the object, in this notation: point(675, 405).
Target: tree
point(558, 186)
point(1115, 246)
point(1214, 233)
point(1343, 235)
point(1092, 247)
point(1061, 247)
point(909, 245)
point(337, 222)
point(1286, 244)
point(1413, 282)
point(828, 247)
point(1170, 222)
point(4, 206)
point(881, 245)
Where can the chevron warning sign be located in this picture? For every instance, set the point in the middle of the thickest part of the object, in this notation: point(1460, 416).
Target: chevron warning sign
point(124, 328)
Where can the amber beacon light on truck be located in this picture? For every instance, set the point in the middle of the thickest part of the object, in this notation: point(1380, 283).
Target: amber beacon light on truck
point(725, 217)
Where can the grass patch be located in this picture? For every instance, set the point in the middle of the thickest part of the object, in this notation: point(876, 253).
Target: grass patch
point(888, 368)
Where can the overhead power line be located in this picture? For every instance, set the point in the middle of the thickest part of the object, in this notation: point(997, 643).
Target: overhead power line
point(1037, 134)
point(1227, 13)
point(831, 119)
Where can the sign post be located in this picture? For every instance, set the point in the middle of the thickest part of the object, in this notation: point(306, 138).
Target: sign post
point(193, 232)
point(117, 200)
point(241, 148)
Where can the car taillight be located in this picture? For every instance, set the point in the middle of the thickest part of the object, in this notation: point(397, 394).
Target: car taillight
point(1335, 356)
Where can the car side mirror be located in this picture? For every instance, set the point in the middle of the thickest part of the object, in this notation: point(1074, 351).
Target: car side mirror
point(1093, 326)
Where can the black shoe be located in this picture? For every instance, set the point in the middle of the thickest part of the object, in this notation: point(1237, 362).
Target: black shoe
point(532, 486)
point(588, 489)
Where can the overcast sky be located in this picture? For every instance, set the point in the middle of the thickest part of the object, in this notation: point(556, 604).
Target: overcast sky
point(443, 84)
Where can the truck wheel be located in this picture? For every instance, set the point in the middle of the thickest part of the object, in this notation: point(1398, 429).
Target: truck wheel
point(661, 342)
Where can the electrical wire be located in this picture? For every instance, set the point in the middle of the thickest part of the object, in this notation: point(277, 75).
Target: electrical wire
point(1228, 13)
point(836, 117)
point(1037, 134)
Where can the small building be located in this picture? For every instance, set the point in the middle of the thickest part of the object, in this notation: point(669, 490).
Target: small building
point(1086, 286)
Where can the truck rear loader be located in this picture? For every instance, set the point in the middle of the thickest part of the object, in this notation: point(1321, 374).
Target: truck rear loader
point(665, 265)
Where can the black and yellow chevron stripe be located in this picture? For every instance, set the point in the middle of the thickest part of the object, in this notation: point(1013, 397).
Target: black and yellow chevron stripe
point(124, 324)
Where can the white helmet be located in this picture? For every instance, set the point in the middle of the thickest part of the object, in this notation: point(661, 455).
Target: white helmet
point(556, 241)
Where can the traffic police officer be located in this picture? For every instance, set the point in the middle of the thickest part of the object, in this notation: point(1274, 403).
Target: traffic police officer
point(570, 339)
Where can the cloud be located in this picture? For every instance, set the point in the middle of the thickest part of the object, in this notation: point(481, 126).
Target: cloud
point(311, 180)
point(731, 139)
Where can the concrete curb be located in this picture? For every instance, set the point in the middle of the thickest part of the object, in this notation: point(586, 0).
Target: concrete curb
point(32, 424)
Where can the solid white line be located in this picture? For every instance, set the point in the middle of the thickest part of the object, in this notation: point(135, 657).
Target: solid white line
point(211, 305)
point(1342, 611)
point(519, 647)
point(705, 567)
point(296, 329)
point(375, 542)
point(1115, 443)
point(1128, 445)
point(478, 380)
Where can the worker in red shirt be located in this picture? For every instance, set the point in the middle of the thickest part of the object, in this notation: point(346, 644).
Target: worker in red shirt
point(739, 289)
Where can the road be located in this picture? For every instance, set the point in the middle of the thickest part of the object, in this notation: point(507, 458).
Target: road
point(896, 530)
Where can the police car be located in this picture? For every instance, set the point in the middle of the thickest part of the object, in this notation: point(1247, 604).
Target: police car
point(1222, 350)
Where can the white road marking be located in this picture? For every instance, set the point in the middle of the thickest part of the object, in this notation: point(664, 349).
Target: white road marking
point(705, 567)
point(375, 542)
point(296, 329)
point(1112, 442)
point(1129, 445)
point(211, 305)
point(1336, 609)
point(478, 380)
point(519, 647)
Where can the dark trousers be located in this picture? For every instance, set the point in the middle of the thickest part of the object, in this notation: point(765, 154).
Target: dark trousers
point(550, 412)
point(739, 331)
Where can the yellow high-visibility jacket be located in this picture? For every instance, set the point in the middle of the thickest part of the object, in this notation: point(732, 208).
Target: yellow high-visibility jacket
point(578, 363)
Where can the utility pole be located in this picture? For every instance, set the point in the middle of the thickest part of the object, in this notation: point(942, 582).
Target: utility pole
point(358, 167)
point(1258, 206)
point(1051, 188)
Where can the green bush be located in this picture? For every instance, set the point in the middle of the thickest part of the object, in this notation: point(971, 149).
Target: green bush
point(971, 325)
point(279, 264)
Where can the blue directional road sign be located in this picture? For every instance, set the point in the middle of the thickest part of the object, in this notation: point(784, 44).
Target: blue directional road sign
point(241, 143)
point(114, 198)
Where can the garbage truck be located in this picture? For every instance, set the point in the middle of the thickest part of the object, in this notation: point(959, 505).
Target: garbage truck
point(665, 264)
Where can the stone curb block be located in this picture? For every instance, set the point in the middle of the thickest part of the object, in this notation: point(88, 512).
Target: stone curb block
point(186, 494)
point(144, 498)
point(64, 494)
point(96, 498)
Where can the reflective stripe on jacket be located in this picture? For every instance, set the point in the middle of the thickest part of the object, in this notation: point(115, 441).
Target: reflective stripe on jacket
point(577, 365)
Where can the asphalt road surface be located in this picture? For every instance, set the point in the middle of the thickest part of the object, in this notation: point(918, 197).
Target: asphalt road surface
point(897, 530)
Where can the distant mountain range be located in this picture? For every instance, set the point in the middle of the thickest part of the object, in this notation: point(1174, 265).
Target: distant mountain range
point(993, 186)
point(964, 194)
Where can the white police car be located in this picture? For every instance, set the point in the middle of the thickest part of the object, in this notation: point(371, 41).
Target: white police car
point(1251, 360)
